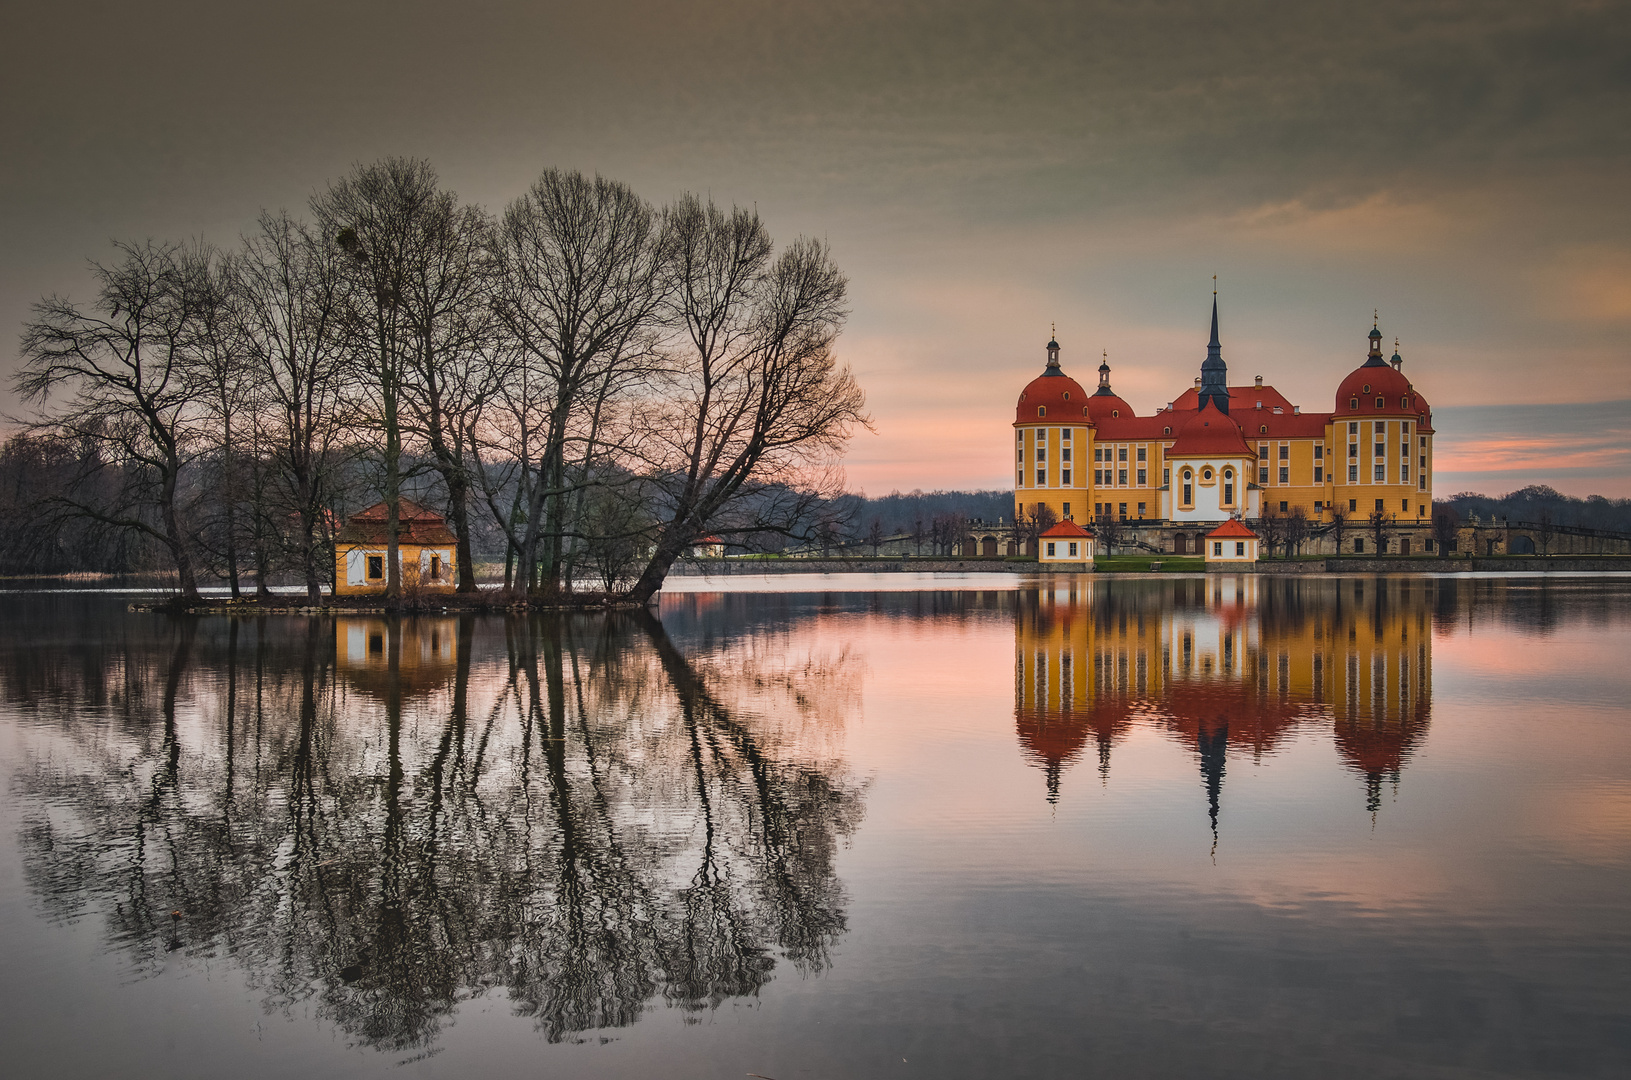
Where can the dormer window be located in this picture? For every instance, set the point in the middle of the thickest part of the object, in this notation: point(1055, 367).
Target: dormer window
point(1381, 403)
point(1263, 429)
point(1404, 403)
point(1166, 431)
point(1067, 395)
point(1365, 389)
point(1041, 410)
point(1353, 403)
point(1115, 413)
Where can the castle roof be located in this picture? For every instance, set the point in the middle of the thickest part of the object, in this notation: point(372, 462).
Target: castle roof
point(1210, 433)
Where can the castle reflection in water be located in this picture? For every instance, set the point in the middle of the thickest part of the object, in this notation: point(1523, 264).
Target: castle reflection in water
point(1225, 666)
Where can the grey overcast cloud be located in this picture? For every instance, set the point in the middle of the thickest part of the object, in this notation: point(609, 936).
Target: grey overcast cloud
point(982, 171)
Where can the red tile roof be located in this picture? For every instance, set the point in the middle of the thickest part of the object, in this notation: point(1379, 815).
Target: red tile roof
point(1210, 433)
point(1061, 395)
point(1231, 530)
point(1069, 530)
point(415, 525)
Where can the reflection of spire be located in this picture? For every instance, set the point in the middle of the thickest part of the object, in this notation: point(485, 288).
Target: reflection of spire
point(1212, 747)
point(1051, 772)
point(1105, 742)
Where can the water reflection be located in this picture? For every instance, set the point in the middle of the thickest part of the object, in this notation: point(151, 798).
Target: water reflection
point(1227, 666)
point(377, 818)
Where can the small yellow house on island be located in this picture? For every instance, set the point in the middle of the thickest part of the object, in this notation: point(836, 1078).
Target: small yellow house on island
point(424, 546)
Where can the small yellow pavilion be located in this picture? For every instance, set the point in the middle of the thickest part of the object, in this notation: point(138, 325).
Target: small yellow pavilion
point(424, 546)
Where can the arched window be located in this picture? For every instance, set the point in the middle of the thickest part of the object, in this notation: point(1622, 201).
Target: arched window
point(1115, 412)
point(1041, 410)
point(1067, 395)
point(1380, 403)
point(1353, 403)
point(1166, 431)
point(1404, 403)
point(1263, 429)
point(1189, 489)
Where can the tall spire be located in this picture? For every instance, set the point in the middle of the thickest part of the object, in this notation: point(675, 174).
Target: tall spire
point(1214, 372)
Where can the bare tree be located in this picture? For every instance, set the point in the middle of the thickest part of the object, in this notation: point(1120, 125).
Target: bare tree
point(123, 367)
point(1296, 531)
point(1271, 530)
point(874, 535)
point(1379, 524)
point(752, 397)
point(1038, 519)
point(1446, 527)
point(291, 323)
point(1339, 524)
point(1545, 530)
point(581, 271)
point(1109, 529)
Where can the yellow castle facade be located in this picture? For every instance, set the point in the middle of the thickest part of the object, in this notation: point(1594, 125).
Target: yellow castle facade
point(1218, 451)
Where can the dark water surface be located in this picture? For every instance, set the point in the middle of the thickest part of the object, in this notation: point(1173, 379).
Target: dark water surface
point(1178, 827)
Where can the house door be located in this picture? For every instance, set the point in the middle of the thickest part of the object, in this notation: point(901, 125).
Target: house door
point(1404, 546)
point(1180, 544)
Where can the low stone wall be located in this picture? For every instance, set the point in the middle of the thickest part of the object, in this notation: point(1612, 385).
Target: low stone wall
point(1429, 565)
point(914, 565)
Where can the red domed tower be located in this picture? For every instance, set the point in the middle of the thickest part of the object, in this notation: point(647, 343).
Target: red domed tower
point(1052, 444)
point(1382, 438)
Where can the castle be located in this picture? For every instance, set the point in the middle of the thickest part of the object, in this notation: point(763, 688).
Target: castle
point(1219, 451)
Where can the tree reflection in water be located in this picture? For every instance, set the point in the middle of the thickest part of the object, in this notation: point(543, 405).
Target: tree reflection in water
point(376, 819)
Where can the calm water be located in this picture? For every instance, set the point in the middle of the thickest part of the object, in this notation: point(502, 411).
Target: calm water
point(1181, 827)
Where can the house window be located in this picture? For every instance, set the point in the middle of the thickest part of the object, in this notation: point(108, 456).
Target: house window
point(1404, 505)
point(1319, 474)
point(1041, 478)
point(1064, 455)
point(1166, 477)
point(1041, 410)
point(376, 566)
point(1353, 403)
point(1121, 453)
point(1353, 450)
point(1123, 512)
point(1141, 477)
point(1064, 476)
point(1285, 475)
point(1228, 494)
point(1140, 509)
point(1359, 547)
point(1285, 452)
point(1217, 548)
point(1378, 506)
point(1073, 549)
point(1142, 452)
point(1282, 506)
point(1318, 505)
point(1042, 453)
point(1381, 474)
point(1098, 454)
point(1381, 450)
point(1404, 428)
point(1263, 451)
point(1019, 478)
point(1240, 548)
point(1263, 476)
point(1404, 473)
point(1064, 433)
point(1319, 452)
point(435, 567)
point(1098, 476)
point(1380, 403)
point(1206, 474)
point(1353, 474)
point(1121, 476)
point(1353, 506)
point(1050, 549)
point(1067, 511)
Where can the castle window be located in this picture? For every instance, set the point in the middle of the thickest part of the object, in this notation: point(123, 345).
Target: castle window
point(1121, 454)
point(1319, 474)
point(1042, 453)
point(1353, 428)
point(1064, 455)
point(1262, 429)
point(1122, 475)
point(1404, 403)
point(1366, 389)
point(1064, 433)
point(1381, 474)
point(1041, 410)
point(1206, 474)
point(1285, 452)
point(1285, 475)
point(1067, 395)
point(1041, 478)
point(1283, 506)
point(1142, 454)
point(1098, 453)
point(1263, 476)
point(1404, 504)
point(376, 566)
point(1166, 431)
point(1064, 477)
point(1380, 403)
point(1353, 403)
point(1319, 452)
point(1404, 428)
point(1141, 475)
point(1353, 450)
point(1353, 474)
point(1166, 477)
point(1115, 412)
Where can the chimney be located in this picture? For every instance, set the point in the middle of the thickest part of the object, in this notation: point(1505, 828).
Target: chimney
point(1260, 382)
point(1197, 380)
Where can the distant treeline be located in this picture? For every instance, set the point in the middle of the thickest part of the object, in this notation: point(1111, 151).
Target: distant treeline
point(1539, 503)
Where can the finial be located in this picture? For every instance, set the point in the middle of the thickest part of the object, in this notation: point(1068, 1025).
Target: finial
point(1214, 284)
point(1376, 316)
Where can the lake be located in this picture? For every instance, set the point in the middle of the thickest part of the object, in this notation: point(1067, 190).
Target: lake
point(810, 828)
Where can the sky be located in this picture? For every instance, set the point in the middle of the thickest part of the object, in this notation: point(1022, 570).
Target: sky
point(982, 170)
